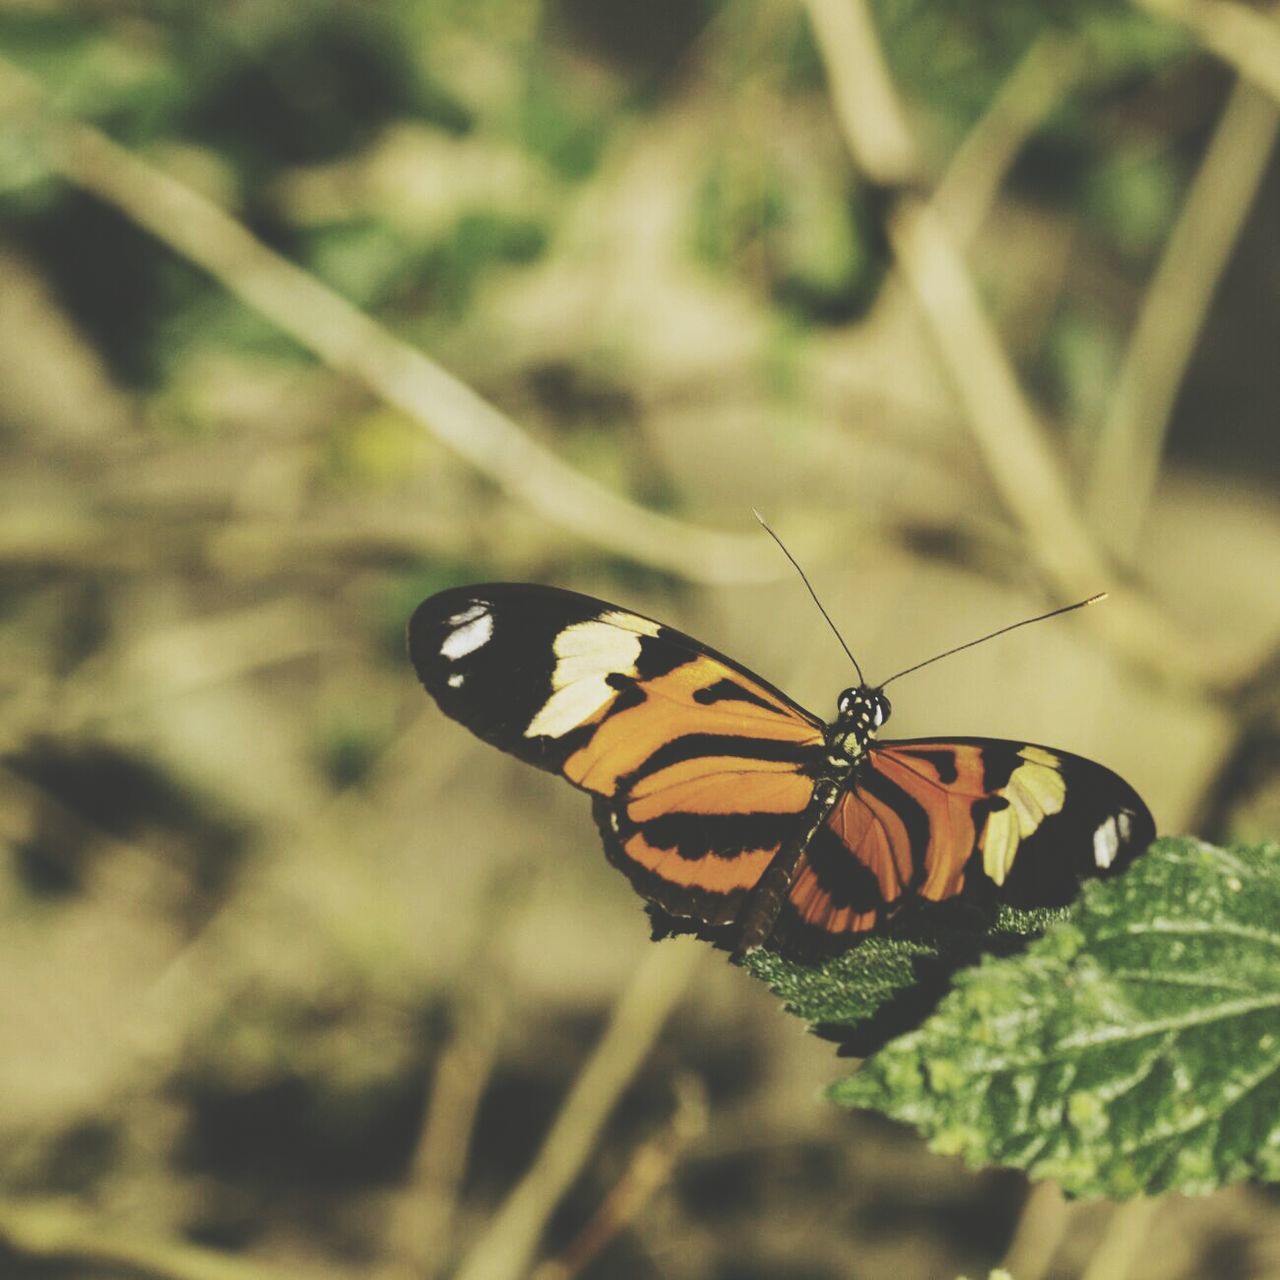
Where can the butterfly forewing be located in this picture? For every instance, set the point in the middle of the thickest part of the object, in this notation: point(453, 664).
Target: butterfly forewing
point(701, 769)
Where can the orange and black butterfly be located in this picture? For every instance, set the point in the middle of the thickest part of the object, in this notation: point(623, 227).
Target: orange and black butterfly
point(742, 817)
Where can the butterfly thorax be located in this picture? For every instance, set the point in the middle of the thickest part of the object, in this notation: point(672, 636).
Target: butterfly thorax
point(860, 714)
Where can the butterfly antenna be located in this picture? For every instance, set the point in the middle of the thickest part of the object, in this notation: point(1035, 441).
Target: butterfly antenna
point(1026, 622)
point(765, 526)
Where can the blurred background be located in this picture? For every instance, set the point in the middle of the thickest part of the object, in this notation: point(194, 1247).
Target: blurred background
point(978, 304)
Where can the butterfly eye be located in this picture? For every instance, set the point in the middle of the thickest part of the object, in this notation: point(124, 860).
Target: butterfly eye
point(880, 710)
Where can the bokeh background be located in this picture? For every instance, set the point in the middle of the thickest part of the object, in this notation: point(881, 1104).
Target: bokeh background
point(979, 303)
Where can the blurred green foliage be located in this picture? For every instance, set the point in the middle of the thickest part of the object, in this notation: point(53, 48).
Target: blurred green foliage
point(270, 89)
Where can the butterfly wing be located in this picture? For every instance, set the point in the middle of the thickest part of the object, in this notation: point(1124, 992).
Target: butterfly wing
point(700, 770)
point(931, 819)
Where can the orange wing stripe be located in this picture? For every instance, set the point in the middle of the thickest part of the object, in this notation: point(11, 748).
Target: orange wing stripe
point(715, 874)
point(682, 682)
point(968, 764)
point(949, 808)
point(720, 785)
point(626, 739)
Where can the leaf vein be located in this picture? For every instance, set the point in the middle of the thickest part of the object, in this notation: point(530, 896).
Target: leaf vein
point(1241, 1089)
point(1193, 928)
point(1113, 1033)
point(1174, 979)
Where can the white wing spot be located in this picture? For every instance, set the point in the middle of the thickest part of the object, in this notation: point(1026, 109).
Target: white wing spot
point(1106, 843)
point(587, 653)
point(473, 628)
point(455, 680)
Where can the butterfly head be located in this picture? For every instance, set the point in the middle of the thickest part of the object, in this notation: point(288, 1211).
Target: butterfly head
point(864, 708)
point(862, 711)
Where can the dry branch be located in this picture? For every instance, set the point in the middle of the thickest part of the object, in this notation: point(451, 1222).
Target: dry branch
point(506, 1249)
point(348, 340)
point(648, 1169)
point(55, 1233)
point(1247, 39)
point(1015, 447)
point(1127, 460)
point(969, 185)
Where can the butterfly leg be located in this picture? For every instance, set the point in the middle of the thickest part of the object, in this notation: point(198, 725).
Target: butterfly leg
point(763, 906)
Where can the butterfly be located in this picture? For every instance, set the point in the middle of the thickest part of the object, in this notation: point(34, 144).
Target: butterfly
point(737, 814)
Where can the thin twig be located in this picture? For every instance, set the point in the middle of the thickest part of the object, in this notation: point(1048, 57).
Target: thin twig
point(1017, 451)
point(1245, 38)
point(969, 185)
point(420, 1230)
point(54, 1232)
point(649, 1168)
point(1122, 1241)
point(1013, 443)
point(424, 1223)
point(1127, 460)
point(1041, 1227)
point(505, 1250)
point(863, 94)
point(348, 340)
point(1253, 756)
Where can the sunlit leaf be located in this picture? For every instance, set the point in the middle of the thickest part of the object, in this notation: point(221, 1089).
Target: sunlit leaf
point(1134, 1049)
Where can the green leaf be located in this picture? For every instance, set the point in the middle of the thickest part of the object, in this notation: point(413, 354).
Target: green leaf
point(1134, 1049)
point(888, 985)
point(848, 990)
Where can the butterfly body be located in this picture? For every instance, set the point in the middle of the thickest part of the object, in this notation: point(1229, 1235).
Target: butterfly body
point(742, 817)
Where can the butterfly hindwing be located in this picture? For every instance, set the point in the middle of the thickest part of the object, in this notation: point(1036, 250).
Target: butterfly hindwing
point(700, 769)
point(846, 883)
point(932, 819)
